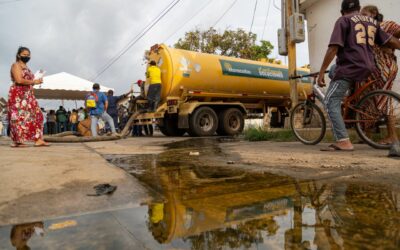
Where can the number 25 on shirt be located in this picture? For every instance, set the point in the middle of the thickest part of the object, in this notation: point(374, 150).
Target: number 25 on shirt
point(362, 34)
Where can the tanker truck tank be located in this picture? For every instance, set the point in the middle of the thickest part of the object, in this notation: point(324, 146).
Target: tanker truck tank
point(204, 94)
point(201, 72)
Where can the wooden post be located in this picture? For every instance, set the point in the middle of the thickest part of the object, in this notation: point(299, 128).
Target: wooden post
point(291, 54)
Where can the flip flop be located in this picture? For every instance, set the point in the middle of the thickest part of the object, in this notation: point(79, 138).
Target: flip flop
point(18, 145)
point(333, 147)
point(385, 142)
point(42, 145)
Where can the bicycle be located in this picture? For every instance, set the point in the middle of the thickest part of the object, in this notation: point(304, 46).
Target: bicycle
point(375, 116)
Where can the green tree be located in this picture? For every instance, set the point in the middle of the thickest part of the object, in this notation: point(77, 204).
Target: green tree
point(235, 43)
point(262, 50)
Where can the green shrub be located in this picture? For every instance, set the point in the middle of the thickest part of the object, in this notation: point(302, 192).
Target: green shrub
point(258, 134)
point(286, 135)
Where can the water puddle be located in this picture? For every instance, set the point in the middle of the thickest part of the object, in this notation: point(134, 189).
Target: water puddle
point(209, 204)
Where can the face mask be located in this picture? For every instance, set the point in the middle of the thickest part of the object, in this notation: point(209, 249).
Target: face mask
point(25, 59)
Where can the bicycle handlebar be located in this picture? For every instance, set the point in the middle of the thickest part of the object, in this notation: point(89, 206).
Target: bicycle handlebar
point(309, 75)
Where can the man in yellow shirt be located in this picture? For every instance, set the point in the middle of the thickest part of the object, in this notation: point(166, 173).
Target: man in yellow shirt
point(154, 93)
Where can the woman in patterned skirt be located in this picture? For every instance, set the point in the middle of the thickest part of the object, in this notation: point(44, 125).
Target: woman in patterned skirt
point(386, 63)
point(24, 114)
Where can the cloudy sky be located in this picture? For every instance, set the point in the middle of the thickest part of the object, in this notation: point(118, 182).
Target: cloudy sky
point(81, 36)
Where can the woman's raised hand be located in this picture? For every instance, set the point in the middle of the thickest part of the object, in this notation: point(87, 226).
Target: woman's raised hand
point(38, 81)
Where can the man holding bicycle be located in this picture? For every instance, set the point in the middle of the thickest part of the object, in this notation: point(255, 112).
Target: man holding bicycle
point(352, 42)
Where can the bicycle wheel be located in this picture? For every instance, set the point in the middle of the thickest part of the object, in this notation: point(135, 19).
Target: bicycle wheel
point(378, 118)
point(308, 123)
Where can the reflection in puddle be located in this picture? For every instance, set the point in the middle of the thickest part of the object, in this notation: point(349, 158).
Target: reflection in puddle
point(215, 206)
point(20, 234)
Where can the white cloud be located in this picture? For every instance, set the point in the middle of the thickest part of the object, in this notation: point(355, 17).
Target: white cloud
point(80, 36)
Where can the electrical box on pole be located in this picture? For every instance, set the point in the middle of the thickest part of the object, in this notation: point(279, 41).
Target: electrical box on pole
point(282, 32)
point(297, 28)
point(282, 42)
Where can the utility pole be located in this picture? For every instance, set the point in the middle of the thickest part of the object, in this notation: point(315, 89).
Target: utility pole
point(292, 32)
point(290, 6)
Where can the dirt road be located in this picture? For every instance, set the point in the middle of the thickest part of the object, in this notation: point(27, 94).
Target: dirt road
point(308, 162)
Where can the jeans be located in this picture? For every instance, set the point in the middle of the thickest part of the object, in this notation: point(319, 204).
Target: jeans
point(51, 128)
point(333, 104)
point(45, 130)
point(74, 126)
point(61, 127)
point(4, 130)
point(95, 118)
point(154, 96)
point(115, 119)
point(148, 130)
point(137, 130)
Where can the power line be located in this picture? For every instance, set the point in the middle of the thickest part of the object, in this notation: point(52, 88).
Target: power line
point(188, 20)
point(254, 14)
point(223, 15)
point(137, 38)
point(266, 18)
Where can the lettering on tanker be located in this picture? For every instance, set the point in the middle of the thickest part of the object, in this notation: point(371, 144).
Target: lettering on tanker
point(252, 70)
point(270, 73)
point(229, 67)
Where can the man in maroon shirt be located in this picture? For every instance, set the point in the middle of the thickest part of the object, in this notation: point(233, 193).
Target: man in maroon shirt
point(352, 42)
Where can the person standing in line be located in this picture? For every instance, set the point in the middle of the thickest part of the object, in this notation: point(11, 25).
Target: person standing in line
point(52, 122)
point(73, 120)
point(112, 109)
point(97, 104)
point(24, 114)
point(61, 115)
point(122, 116)
point(4, 122)
point(137, 129)
point(353, 47)
point(45, 129)
point(81, 114)
point(68, 128)
point(148, 129)
point(154, 93)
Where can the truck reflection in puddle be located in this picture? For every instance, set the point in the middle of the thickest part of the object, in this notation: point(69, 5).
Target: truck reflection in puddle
point(212, 205)
point(309, 215)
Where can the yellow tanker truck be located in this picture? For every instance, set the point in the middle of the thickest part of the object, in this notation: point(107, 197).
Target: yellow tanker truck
point(204, 94)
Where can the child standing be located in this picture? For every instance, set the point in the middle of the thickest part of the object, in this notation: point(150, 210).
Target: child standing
point(4, 122)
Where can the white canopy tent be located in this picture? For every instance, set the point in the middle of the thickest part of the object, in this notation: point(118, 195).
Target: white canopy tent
point(64, 86)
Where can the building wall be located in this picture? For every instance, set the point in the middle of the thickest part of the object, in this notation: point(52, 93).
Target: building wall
point(321, 16)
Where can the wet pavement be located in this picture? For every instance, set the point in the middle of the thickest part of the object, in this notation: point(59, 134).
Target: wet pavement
point(203, 199)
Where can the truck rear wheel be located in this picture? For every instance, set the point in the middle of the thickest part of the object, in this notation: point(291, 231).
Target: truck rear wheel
point(231, 122)
point(203, 122)
point(170, 127)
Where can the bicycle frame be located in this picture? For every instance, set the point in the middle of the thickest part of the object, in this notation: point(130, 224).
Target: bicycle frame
point(307, 115)
point(350, 103)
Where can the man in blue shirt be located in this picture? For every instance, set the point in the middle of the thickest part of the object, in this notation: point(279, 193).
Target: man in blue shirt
point(100, 111)
point(112, 109)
